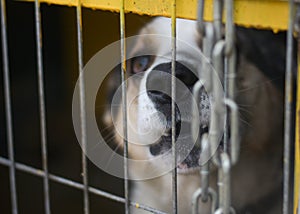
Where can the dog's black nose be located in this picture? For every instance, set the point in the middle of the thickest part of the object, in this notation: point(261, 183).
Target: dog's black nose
point(158, 83)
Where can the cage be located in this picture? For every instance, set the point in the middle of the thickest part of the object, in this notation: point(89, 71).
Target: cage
point(45, 45)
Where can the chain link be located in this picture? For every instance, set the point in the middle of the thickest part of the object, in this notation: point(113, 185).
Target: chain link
point(234, 130)
point(224, 183)
point(198, 195)
point(220, 211)
point(218, 47)
point(204, 172)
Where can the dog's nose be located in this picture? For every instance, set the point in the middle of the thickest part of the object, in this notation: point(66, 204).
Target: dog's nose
point(158, 85)
point(158, 82)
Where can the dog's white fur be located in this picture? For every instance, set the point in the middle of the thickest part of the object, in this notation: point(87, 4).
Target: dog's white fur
point(257, 173)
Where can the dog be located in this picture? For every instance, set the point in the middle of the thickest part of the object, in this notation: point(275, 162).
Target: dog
point(256, 179)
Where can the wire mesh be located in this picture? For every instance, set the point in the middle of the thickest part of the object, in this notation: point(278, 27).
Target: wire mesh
point(44, 173)
point(84, 186)
point(82, 108)
point(77, 185)
point(124, 103)
point(288, 111)
point(9, 125)
point(42, 107)
point(173, 96)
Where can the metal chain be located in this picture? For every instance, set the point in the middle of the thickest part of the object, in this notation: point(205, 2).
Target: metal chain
point(198, 195)
point(217, 65)
point(224, 183)
point(204, 172)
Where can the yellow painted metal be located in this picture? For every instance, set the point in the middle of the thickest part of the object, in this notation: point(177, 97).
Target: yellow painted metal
point(297, 148)
point(272, 14)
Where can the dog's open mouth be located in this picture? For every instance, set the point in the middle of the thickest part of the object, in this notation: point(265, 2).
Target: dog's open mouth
point(190, 162)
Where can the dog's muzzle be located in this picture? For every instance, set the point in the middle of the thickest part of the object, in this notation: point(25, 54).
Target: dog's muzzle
point(158, 86)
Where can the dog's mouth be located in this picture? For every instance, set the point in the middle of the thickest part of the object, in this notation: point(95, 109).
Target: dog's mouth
point(158, 86)
point(190, 161)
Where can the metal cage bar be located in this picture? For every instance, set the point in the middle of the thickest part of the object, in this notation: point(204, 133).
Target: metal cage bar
point(44, 173)
point(8, 113)
point(173, 95)
point(124, 103)
point(74, 184)
point(288, 109)
point(82, 109)
point(42, 106)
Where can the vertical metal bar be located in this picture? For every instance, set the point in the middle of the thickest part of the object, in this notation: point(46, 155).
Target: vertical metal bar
point(288, 109)
point(233, 149)
point(9, 129)
point(230, 29)
point(124, 104)
point(42, 108)
point(173, 95)
point(82, 109)
point(230, 49)
point(218, 11)
point(230, 62)
point(200, 21)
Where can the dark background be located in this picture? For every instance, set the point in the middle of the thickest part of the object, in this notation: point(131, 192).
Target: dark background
point(61, 72)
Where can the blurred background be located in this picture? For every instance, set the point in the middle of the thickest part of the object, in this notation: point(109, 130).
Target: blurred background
point(59, 32)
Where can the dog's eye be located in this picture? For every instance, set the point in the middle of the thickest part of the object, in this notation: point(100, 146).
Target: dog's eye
point(140, 64)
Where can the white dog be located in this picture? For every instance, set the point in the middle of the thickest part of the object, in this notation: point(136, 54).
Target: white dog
point(256, 178)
